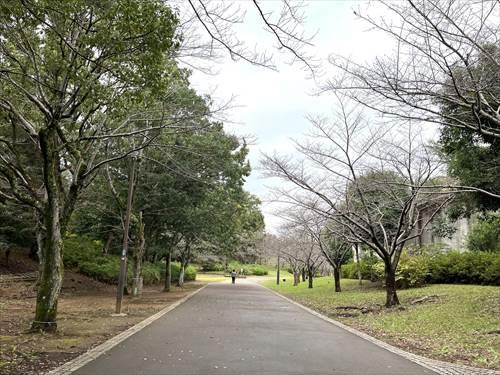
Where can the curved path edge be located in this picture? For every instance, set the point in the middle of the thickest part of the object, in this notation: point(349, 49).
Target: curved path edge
point(439, 367)
point(100, 349)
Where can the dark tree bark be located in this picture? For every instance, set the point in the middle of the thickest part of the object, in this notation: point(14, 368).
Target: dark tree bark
point(390, 286)
point(51, 265)
point(168, 271)
point(336, 278)
point(310, 275)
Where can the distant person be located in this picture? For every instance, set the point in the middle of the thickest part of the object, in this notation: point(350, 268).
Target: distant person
point(233, 276)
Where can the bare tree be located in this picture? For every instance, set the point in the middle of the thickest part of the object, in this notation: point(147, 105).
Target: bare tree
point(210, 30)
point(303, 251)
point(333, 247)
point(287, 248)
point(369, 188)
point(445, 68)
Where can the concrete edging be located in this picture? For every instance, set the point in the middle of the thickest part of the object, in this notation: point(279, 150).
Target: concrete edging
point(100, 349)
point(439, 367)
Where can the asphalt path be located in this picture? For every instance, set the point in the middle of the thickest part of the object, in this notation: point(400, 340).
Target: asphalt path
point(246, 329)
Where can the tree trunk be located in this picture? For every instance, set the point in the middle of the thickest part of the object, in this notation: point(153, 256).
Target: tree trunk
point(107, 245)
point(310, 277)
point(358, 264)
point(138, 256)
point(336, 278)
point(168, 271)
point(303, 274)
point(296, 278)
point(278, 272)
point(390, 286)
point(180, 282)
point(51, 265)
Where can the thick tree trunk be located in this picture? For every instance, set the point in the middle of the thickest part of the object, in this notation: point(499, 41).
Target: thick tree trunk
point(137, 279)
point(390, 286)
point(303, 274)
point(336, 278)
point(168, 271)
point(50, 282)
point(51, 265)
point(296, 278)
point(310, 277)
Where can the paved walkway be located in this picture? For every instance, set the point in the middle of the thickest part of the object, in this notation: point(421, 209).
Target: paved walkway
point(246, 329)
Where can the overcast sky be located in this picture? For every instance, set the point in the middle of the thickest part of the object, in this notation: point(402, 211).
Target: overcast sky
point(271, 105)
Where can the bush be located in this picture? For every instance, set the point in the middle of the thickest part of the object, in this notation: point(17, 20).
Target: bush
point(189, 272)
point(210, 264)
point(485, 234)
point(450, 268)
point(412, 271)
point(248, 269)
point(350, 270)
point(86, 256)
point(80, 249)
point(257, 270)
point(465, 268)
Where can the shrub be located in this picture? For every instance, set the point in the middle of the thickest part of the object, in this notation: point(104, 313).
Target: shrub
point(465, 268)
point(105, 270)
point(210, 264)
point(189, 272)
point(349, 271)
point(257, 270)
point(85, 255)
point(412, 271)
point(248, 269)
point(80, 249)
point(485, 234)
point(450, 268)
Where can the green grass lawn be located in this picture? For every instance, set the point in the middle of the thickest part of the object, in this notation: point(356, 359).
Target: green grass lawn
point(210, 277)
point(456, 326)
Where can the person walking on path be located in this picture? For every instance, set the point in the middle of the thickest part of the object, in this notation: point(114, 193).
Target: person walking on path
point(233, 276)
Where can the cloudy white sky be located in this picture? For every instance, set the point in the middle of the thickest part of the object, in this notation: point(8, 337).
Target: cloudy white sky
point(272, 105)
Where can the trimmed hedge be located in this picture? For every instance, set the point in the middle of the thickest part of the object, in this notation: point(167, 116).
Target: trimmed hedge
point(448, 268)
point(248, 269)
point(465, 268)
point(85, 255)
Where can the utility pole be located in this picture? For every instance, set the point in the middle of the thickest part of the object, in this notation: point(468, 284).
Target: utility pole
point(123, 260)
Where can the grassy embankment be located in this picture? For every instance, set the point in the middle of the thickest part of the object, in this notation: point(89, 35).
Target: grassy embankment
point(458, 323)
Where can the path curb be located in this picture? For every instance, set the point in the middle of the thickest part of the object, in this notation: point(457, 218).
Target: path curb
point(99, 350)
point(439, 367)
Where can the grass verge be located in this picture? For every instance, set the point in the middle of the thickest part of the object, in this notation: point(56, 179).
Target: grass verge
point(457, 323)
